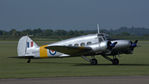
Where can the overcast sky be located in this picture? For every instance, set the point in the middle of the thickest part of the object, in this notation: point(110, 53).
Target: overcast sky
point(73, 14)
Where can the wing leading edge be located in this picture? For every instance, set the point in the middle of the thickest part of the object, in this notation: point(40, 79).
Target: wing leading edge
point(71, 50)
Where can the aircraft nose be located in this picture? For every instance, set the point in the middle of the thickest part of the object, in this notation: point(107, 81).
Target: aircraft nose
point(133, 44)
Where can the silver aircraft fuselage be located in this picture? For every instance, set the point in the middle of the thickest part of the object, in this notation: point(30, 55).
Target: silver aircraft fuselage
point(99, 46)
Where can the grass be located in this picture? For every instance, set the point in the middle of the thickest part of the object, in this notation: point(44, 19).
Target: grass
point(130, 65)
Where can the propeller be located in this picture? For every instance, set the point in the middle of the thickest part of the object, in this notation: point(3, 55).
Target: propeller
point(133, 44)
point(111, 45)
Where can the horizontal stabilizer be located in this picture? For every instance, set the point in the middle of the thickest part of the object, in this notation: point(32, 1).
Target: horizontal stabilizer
point(71, 50)
point(26, 57)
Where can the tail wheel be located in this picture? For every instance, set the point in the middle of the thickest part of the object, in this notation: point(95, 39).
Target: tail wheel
point(93, 62)
point(115, 61)
point(29, 60)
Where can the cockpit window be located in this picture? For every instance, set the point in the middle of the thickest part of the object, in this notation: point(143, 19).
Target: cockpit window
point(104, 38)
point(100, 35)
point(100, 39)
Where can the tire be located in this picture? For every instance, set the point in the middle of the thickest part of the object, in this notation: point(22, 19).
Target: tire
point(115, 61)
point(94, 62)
point(29, 60)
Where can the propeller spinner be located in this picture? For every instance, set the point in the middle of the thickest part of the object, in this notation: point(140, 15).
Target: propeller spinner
point(133, 44)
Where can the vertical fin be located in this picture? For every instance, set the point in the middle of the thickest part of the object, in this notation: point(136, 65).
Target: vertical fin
point(24, 44)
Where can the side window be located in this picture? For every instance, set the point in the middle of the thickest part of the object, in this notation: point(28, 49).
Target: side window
point(70, 45)
point(89, 43)
point(100, 39)
point(82, 44)
point(76, 45)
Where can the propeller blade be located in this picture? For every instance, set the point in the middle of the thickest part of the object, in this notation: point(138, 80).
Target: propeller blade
point(136, 41)
point(133, 44)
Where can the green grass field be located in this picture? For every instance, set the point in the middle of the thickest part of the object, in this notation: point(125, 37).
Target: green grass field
point(130, 65)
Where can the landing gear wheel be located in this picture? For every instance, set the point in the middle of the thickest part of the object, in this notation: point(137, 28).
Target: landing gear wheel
point(115, 61)
point(93, 62)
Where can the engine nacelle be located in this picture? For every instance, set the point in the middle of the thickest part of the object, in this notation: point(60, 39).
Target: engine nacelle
point(99, 47)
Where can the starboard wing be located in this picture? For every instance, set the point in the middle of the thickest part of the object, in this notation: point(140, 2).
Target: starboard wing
point(71, 50)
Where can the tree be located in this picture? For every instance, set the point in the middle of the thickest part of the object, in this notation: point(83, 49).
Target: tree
point(61, 32)
point(125, 34)
point(26, 32)
point(48, 32)
point(1, 32)
point(13, 32)
point(71, 33)
point(37, 32)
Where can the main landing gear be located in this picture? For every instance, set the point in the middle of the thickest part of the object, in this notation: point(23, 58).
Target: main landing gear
point(92, 61)
point(114, 61)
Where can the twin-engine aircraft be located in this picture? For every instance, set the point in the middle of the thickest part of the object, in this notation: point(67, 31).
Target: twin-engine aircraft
point(83, 46)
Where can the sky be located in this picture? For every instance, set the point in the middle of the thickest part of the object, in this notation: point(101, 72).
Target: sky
point(73, 14)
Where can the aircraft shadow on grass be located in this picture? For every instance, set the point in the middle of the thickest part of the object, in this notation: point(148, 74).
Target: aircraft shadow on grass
point(113, 65)
point(87, 64)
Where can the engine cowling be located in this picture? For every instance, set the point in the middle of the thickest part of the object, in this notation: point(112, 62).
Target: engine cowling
point(103, 46)
point(99, 47)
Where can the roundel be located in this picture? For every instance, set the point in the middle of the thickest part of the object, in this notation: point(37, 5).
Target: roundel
point(52, 52)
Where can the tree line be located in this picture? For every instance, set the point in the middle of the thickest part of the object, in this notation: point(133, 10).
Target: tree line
point(40, 33)
point(49, 33)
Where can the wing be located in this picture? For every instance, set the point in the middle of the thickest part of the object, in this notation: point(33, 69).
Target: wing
point(71, 50)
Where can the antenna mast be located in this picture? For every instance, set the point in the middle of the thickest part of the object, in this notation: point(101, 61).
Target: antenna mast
point(98, 28)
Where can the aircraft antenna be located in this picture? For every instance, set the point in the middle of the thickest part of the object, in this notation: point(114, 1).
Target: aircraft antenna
point(98, 28)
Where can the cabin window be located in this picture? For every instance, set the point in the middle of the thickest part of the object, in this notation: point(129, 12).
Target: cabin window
point(89, 43)
point(100, 39)
point(100, 35)
point(76, 45)
point(70, 45)
point(82, 44)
